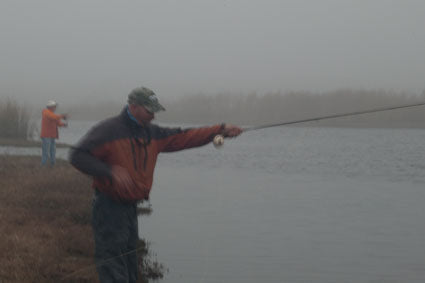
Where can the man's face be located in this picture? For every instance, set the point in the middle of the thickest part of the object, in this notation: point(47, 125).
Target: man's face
point(141, 113)
point(52, 108)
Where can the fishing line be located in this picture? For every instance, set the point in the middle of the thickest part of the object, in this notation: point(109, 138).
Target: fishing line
point(100, 264)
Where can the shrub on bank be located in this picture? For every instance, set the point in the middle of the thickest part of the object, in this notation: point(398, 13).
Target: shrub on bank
point(15, 122)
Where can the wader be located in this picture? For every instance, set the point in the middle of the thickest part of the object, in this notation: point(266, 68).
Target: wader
point(115, 233)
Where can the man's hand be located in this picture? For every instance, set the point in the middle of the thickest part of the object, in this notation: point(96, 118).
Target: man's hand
point(122, 180)
point(231, 131)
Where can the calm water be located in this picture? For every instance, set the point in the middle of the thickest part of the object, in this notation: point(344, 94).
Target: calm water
point(291, 205)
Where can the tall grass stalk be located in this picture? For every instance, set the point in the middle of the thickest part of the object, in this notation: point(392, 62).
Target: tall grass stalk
point(15, 122)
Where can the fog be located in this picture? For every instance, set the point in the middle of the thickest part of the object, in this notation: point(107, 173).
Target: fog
point(88, 51)
point(294, 204)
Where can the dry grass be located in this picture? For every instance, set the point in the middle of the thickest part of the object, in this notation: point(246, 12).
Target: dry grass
point(45, 219)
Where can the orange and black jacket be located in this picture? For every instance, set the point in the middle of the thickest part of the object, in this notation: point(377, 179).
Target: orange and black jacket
point(50, 123)
point(121, 141)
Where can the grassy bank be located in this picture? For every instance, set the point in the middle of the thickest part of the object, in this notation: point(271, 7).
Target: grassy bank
point(45, 219)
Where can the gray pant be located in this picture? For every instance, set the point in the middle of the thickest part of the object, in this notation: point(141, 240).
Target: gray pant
point(115, 233)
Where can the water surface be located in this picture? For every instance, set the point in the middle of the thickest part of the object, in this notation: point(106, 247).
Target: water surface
point(290, 205)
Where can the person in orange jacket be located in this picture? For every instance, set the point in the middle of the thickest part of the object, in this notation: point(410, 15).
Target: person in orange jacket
point(50, 122)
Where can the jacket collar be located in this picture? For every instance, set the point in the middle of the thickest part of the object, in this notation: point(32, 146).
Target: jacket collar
point(132, 117)
point(132, 123)
point(126, 118)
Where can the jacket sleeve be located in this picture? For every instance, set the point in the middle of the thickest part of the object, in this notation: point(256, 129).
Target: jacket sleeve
point(55, 117)
point(174, 139)
point(88, 155)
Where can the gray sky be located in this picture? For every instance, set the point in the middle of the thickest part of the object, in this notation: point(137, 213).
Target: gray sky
point(75, 50)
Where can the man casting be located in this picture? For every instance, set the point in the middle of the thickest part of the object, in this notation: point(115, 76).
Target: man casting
point(120, 154)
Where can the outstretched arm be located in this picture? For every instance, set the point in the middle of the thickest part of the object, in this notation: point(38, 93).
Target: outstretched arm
point(177, 139)
point(56, 117)
point(231, 131)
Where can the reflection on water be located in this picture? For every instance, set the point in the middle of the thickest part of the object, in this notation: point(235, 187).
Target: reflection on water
point(290, 205)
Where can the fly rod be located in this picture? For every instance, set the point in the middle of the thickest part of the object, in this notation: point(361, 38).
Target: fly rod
point(219, 140)
point(333, 116)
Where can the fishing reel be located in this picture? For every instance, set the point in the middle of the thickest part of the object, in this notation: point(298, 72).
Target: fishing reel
point(218, 141)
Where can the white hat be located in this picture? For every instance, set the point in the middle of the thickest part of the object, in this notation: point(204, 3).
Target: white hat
point(51, 103)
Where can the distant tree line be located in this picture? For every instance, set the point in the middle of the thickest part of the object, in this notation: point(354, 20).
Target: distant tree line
point(16, 120)
point(93, 111)
point(274, 107)
point(254, 109)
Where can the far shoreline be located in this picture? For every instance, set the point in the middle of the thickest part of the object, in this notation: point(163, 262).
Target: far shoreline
point(16, 142)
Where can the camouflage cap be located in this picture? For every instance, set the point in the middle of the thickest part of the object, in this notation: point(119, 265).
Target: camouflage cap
point(146, 97)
